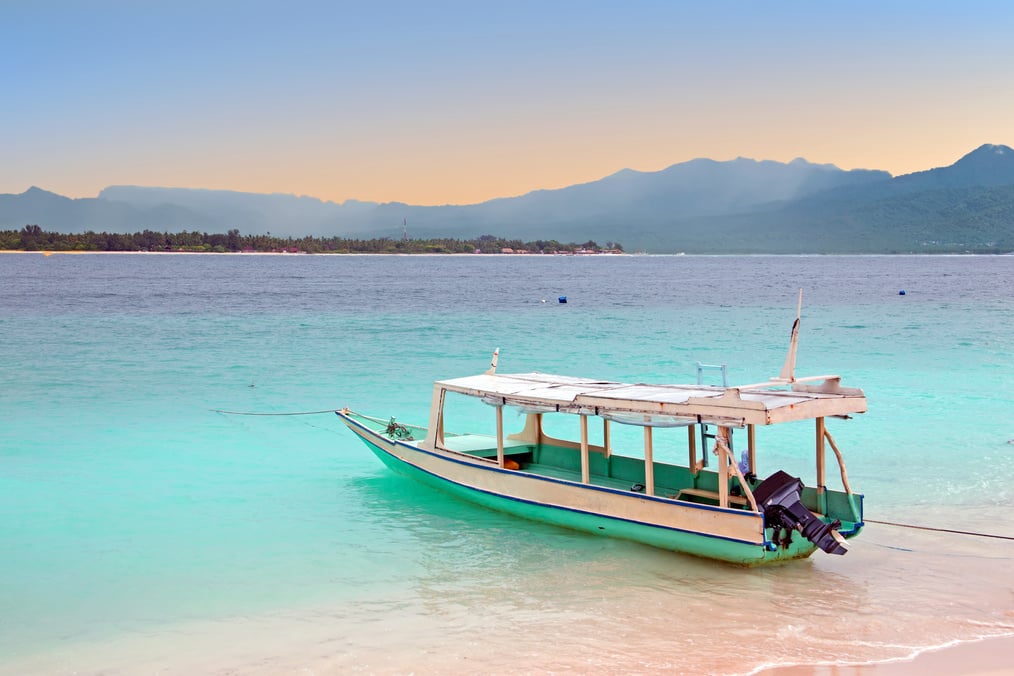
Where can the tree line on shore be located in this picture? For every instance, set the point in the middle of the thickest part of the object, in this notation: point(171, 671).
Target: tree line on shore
point(34, 238)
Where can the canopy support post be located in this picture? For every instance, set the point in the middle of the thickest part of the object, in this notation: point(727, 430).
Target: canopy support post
point(821, 479)
point(721, 445)
point(499, 436)
point(585, 469)
point(692, 443)
point(435, 433)
point(606, 444)
point(649, 463)
point(751, 454)
point(726, 461)
point(730, 461)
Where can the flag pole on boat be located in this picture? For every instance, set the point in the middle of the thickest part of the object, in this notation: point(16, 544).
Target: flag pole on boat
point(788, 374)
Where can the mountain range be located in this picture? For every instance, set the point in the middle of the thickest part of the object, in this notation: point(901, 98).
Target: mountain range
point(700, 206)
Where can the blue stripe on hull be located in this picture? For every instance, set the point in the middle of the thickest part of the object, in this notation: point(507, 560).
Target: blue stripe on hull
point(704, 545)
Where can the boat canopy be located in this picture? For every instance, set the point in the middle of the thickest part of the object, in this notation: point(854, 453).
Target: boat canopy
point(664, 405)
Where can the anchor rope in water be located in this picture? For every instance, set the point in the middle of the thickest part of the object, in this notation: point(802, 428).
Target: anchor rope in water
point(216, 410)
point(883, 523)
point(940, 530)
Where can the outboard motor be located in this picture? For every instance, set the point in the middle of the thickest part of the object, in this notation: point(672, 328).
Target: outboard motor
point(779, 496)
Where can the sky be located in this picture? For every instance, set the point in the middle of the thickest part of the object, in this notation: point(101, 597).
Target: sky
point(434, 102)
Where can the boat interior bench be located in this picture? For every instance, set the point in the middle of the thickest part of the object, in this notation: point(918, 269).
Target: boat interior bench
point(575, 475)
point(710, 497)
point(697, 495)
point(484, 446)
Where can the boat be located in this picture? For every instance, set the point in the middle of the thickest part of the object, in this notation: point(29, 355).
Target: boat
point(718, 510)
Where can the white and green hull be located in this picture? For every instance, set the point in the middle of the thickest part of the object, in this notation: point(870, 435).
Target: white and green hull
point(735, 535)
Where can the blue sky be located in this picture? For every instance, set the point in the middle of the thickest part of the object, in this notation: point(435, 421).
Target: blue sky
point(458, 102)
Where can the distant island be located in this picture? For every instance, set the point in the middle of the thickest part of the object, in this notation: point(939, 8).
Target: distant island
point(703, 206)
point(34, 238)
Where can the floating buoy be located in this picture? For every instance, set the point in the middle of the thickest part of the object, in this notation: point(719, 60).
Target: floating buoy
point(563, 299)
point(902, 292)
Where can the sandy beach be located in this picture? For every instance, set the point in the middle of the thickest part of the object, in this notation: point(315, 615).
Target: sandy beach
point(988, 657)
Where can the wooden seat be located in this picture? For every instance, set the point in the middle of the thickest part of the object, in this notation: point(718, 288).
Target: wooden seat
point(710, 495)
point(483, 445)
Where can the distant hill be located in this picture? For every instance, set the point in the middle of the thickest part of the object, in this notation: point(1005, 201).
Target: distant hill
point(705, 206)
point(55, 212)
point(967, 206)
point(253, 213)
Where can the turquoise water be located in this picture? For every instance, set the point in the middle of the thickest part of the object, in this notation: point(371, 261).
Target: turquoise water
point(141, 531)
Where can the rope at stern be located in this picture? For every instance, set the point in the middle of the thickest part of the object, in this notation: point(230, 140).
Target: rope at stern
point(941, 530)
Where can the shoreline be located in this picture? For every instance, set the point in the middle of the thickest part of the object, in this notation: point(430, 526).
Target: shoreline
point(503, 255)
point(276, 650)
point(305, 253)
point(987, 656)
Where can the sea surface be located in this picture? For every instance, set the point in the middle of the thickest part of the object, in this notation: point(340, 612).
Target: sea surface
point(143, 532)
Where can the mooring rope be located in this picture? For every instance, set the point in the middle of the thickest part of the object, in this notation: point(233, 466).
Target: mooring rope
point(940, 530)
point(216, 410)
point(883, 523)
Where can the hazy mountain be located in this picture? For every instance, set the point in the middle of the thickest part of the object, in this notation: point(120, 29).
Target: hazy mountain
point(696, 188)
point(692, 189)
point(741, 205)
point(967, 206)
point(250, 212)
point(987, 166)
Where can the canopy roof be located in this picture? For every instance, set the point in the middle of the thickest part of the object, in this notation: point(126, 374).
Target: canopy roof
point(730, 406)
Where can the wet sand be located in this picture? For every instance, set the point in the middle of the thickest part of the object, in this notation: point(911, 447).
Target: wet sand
point(988, 657)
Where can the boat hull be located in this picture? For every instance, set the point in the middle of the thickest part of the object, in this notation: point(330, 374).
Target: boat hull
point(731, 535)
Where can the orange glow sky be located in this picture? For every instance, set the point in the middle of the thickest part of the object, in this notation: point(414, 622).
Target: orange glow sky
point(460, 102)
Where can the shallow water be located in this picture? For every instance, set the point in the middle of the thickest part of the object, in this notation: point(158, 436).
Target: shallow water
point(143, 532)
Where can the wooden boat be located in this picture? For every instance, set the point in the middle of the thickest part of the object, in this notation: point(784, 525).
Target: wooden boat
point(724, 512)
